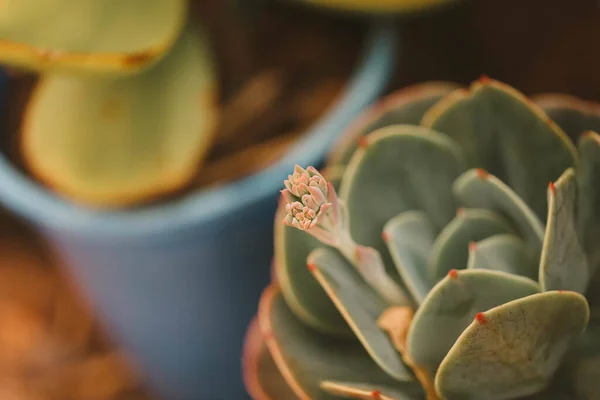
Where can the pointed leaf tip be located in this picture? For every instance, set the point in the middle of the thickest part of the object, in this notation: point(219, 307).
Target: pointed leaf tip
point(480, 317)
point(551, 187)
point(472, 246)
point(453, 274)
point(484, 79)
point(376, 394)
point(482, 173)
point(385, 236)
point(460, 212)
point(362, 142)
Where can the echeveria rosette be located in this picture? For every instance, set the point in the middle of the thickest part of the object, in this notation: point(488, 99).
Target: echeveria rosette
point(484, 218)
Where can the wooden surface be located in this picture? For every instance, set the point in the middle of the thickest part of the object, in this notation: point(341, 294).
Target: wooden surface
point(51, 348)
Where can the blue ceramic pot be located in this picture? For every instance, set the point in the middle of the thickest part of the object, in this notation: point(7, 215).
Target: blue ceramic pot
point(177, 284)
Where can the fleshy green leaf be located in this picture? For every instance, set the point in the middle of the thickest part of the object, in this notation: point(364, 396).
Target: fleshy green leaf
point(406, 107)
point(365, 391)
point(262, 378)
point(478, 189)
point(573, 115)
point(589, 198)
point(410, 238)
point(451, 248)
point(401, 168)
point(505, 253)
point(302, 292)
point(563, 264)
point(360, 306)
point(88, 35)
point(306, 357)
point(514, 349)
point(504, 133)
point(451, 306)
point(112, 142)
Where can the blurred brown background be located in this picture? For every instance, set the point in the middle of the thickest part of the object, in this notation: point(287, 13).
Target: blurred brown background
point(50, 346)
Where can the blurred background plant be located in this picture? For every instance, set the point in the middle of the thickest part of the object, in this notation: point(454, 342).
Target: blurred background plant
point(271, 68)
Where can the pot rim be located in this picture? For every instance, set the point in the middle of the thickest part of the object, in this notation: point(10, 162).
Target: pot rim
point(29, 199)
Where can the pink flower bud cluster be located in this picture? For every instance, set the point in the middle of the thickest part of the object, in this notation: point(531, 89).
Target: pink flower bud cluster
point(306, 193)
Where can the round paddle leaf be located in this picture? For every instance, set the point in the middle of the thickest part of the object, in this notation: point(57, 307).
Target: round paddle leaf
point(112, 142)
point(88, 35)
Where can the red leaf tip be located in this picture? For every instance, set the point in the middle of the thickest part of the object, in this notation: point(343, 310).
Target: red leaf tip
point(460, 211)
point(311, 267)
point(551, 187)
point(362, 142)
point(453, 274)
point(480, 317)
point(385, 236)
point(472, 246)
point(482, 173)
point(484, 79)
point(376, 394)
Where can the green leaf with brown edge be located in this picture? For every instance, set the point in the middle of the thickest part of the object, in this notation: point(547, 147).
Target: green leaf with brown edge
point(588, 176)
point(403, 107)
point(451, 248)
point(514, 349)
point(88, 36)
point(360, 306)
point(503, 132)
point(410, 237)
point(563, 264)
point(451, 306)
point(306, 357)
point(262, 378)
point(366, 391)
point(117, 142)
point(302, 292)
point(573, 115)
point(476, 188)
point(507, 253)
point(399, 168)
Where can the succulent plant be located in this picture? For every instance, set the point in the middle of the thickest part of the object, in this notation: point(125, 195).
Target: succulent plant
point(458, 261)
point(125, 107)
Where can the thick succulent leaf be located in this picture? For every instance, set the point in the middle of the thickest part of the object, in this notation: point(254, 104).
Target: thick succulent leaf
point(573, 115)
point(563, 264)
point(409, 238)
point(504, 133)
point(589, 197)
point(366, 391)
point(306, 357)
point(451, 306)
point(262, 378)
point(404, 107)
point(88, 35)
point(514, 349)
point(399, 168)
point(507, 253)
point(478, 189)
point(302, 292)
point(451, 248)
point(112, 142)
point(360, 306)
